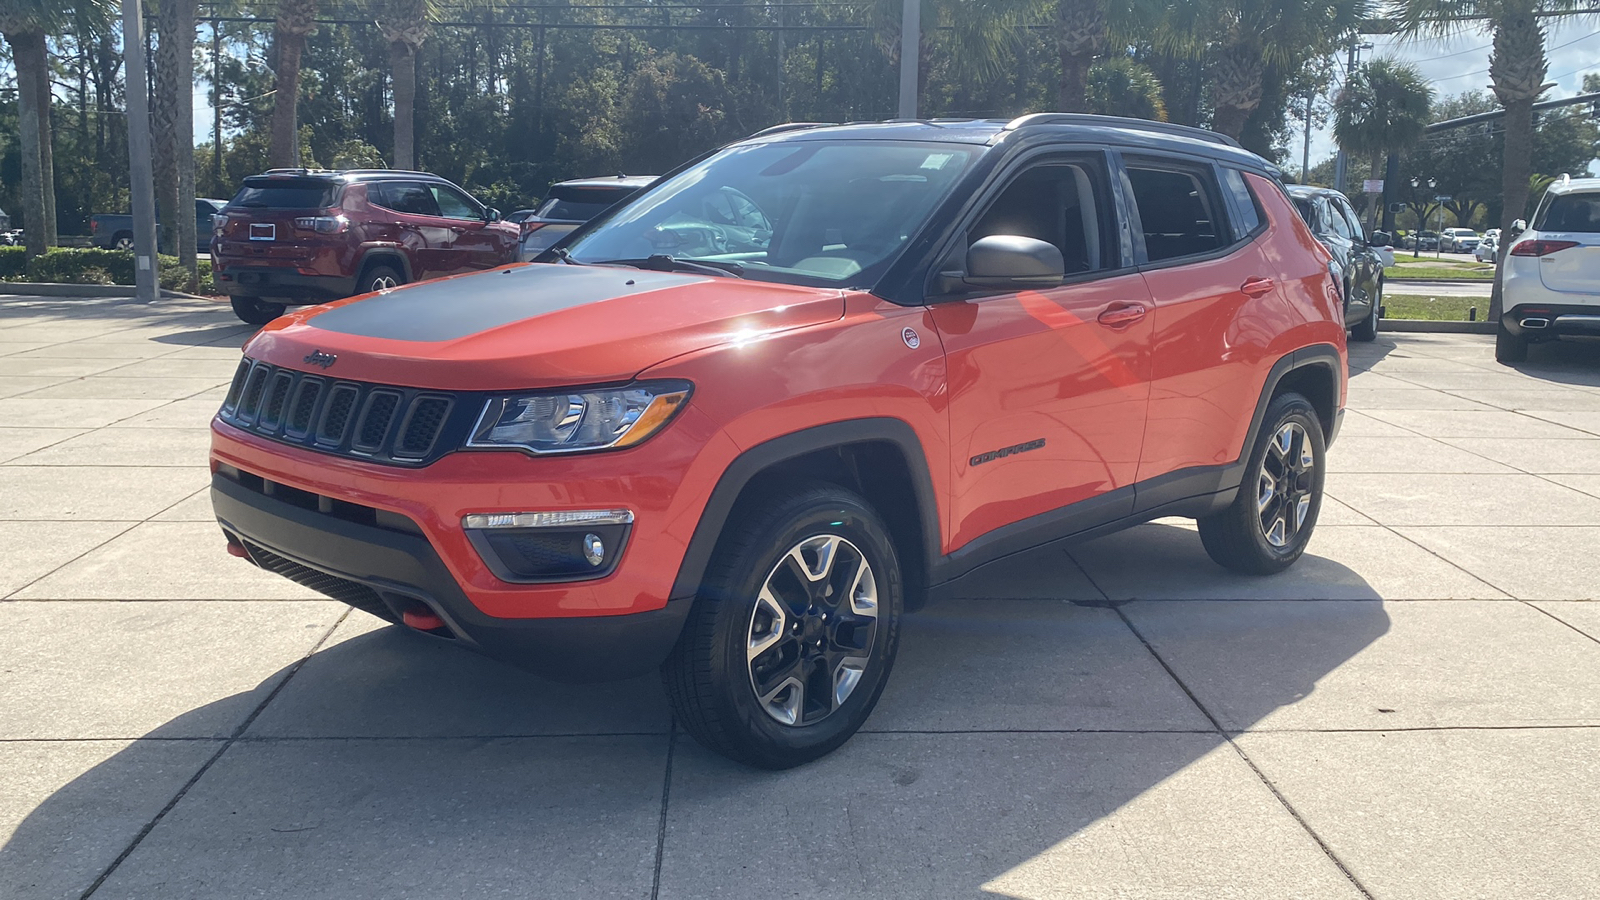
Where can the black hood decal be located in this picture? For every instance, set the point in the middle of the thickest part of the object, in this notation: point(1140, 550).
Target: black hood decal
point(454, 308)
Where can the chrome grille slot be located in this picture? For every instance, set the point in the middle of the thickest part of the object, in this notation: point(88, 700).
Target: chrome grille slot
point(421, 427)
point(377, 414)
point(336, 417)
point(397, 426)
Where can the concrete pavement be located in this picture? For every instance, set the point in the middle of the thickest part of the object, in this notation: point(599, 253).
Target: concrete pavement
point(1412, 711)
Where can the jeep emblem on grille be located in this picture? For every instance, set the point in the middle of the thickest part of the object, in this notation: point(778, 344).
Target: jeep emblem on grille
point(318, 358)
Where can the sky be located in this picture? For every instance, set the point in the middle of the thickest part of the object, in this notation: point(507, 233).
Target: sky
point(1461, 63)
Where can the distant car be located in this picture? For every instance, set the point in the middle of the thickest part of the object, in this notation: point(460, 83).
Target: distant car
point(1428, 239)
point(1550, 276)
point(1360, 265)
point(1459, 240)
point(1488, 247)
point(298, 236)
point(572, 203)
point(115, 231)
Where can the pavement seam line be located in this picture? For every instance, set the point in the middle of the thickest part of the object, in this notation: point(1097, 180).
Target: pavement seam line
point(206, 766)
point(1262, 776)
point(1087, 577)
point(1552, 615)
point(661, 825)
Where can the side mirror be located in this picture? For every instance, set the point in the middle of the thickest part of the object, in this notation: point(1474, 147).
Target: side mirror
point(1011, 261)
point(1518, 227)
point(1381, 239)
point(494, 214)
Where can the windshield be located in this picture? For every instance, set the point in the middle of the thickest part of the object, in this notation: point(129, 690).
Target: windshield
point(809, 212)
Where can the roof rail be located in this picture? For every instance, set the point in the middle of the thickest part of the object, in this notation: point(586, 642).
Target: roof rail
point(1187, 131)
point(385, 172)
point(790, 126)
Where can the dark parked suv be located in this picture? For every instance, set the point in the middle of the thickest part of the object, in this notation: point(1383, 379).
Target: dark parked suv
point(297, 236)
point(1355, 253)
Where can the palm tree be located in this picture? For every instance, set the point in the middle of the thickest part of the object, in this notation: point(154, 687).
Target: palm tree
point(405, 24)
point(1517, 67)
point(1122, 87)
point(1081, 36)
point(172, 112)
point(295, 20)
point(983, 35)
point(1382, 109)
point(1242, 37)
point(24, 23)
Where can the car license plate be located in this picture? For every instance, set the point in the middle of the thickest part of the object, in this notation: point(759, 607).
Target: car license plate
point(268, 232)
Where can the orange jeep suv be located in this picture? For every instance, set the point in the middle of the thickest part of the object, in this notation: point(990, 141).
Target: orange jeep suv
point(735, 428)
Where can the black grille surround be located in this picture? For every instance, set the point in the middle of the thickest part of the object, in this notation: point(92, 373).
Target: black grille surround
point(380, 423)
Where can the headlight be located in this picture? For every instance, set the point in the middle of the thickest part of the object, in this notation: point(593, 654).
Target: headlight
point(575, 421)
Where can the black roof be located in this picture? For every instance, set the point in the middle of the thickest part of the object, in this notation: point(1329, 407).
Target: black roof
point(1134, 134)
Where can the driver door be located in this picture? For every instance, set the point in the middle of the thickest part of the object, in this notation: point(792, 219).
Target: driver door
point(1048, 388)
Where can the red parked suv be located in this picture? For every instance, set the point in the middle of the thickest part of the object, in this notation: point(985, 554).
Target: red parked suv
point(739, 425)
point(295, 236)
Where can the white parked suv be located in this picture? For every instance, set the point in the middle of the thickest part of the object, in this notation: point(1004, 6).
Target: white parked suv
point(1551, 280)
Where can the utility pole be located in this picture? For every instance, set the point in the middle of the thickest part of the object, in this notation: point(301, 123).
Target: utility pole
point(1349, 72)
point(140, 177)
point(910, 49)
point(1305, 152)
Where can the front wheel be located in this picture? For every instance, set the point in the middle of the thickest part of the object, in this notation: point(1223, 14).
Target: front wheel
point(1269, 523)
point(795, 630)
point(255, 311)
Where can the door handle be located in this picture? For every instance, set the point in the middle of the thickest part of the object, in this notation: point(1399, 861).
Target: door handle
point(1120, 314)
point(1257, 287)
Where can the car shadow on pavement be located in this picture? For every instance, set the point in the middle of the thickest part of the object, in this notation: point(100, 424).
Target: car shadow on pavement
point(1574, 362)
point(1032, 732)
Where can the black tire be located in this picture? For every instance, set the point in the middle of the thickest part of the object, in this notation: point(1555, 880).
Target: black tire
point(379, 277)
point(1237, 538)
point(711, 682)
point(1366, 330)
point(256, 311)
point(122, 240)
point(1508, 347)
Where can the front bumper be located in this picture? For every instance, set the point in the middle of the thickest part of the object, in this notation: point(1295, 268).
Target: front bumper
point(1561, 320)
point(387, 571)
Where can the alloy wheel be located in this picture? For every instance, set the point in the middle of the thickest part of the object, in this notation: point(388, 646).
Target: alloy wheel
point(811, 631)
point(1284, 485)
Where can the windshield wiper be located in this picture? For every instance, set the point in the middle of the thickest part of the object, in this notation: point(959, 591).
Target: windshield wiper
point(660, 262)
point(565, 256)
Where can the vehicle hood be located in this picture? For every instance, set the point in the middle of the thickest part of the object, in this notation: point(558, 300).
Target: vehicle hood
point(531, 326)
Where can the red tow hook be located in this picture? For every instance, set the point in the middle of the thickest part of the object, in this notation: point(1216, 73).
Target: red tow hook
point(422, 619)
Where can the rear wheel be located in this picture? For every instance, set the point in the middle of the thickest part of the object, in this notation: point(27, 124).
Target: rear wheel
point(1508, 347)
point(794, 632)
point(1367, 329)
point(123, 241)
point(379, 278)
point(255, 311)
point(1268, 525)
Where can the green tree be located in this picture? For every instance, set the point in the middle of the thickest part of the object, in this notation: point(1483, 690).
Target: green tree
point(24, 23)
point(172, 126)
point(406, 25)
point(1383, 109)
point(1122, 87)
point(1517, 68)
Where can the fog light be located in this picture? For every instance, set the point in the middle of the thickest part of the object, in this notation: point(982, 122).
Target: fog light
point(593, 549)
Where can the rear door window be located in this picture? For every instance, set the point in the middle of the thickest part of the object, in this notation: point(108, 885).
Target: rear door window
point(410, 197)
point(1248, 215)
point(286, 193)
point(1179, 211)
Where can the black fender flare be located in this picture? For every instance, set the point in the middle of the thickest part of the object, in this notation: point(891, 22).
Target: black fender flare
point(386, 255)
point(752, 462)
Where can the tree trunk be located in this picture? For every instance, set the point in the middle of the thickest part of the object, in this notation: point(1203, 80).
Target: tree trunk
point(1237, 89)
point(1517, 67)
point(1072, 93)
point(31, 66)
point(403, 67)
point(285, 147)
point(188, 225)
point(47, 165)
point(164, 102)
point(1080, 37)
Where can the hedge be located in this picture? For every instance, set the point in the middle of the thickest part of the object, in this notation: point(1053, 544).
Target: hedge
point(93, 266)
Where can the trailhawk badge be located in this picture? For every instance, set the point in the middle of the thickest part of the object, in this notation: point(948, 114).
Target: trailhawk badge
point(911, 338)
point(318, 358)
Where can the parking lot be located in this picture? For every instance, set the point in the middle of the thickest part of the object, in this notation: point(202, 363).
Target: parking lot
point(1411, 711)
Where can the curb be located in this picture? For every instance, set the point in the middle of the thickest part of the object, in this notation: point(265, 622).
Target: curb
point(1426, 325)
point(84, 291)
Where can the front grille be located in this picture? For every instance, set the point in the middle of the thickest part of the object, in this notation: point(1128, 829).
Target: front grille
point(342, 589)
point(379, 423)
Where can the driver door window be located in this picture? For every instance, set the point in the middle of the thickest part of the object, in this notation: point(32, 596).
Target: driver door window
point(454, 205)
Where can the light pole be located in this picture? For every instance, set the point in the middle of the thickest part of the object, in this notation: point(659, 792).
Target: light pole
point(140, 179)
point(910, 46)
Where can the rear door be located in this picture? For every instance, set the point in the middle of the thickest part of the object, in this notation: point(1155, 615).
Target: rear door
point(1216, 309)
point(1047, 387)
point(1571, 217)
